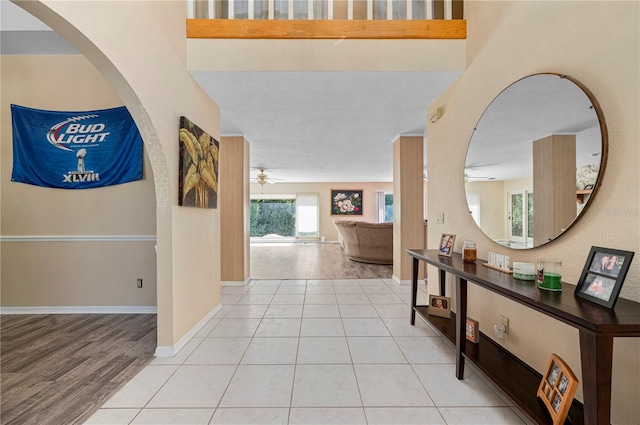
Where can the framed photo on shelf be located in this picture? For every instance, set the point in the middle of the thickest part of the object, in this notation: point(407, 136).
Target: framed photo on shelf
point(473, 331)
point(603, 275)
point(447, 242)
point(346, 202)
point(557, 388)
point(440, 306)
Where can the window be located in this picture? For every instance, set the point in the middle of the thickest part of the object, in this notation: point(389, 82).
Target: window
point(273, 217)
point(284, 215)
point(388, 207)
point(307, 216)
point(521, 216)
point(384, 205)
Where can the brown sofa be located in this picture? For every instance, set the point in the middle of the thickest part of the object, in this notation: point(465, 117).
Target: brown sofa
point(366, 242)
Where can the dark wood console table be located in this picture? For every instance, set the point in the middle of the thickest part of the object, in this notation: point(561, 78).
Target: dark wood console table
point(597, 327)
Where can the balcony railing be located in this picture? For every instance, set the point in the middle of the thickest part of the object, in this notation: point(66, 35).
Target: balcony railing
point(326, 9)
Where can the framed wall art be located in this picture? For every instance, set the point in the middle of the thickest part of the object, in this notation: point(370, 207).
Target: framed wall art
point(346, 202)
point(603, 275)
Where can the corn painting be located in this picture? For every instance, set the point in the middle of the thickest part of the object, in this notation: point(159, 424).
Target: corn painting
point(199, 156)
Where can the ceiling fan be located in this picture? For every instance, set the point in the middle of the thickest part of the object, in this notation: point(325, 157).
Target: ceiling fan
point(468, 178)
point(262, 178)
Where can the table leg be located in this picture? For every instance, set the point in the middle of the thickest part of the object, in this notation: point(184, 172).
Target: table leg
point(596, 354)
point(442, 280)
point(414, 289)
point(461, 325)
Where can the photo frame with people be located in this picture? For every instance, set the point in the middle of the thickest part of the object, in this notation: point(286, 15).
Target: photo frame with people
point(447, 242)
point(603, 275)
point(557, 388)
point(440, 306)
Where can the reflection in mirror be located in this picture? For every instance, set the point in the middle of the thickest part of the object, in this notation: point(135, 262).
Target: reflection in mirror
point(535, 160)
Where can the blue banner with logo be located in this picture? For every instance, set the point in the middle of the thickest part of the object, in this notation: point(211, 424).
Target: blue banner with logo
point(75, 150)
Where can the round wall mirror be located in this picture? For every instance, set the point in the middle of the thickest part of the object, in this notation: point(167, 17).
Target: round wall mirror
point(535, 160)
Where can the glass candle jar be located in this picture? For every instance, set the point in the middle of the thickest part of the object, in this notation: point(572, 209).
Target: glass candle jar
point(549, 274)
point(524, 271)
point(469, 252)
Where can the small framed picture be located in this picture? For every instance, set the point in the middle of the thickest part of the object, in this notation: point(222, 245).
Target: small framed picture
point(446, 244)
point(557, 388)
point(603, 275)
point(473, 331)
point(439, 306)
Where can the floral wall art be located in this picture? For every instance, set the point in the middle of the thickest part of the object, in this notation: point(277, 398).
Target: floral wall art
point(346, 202)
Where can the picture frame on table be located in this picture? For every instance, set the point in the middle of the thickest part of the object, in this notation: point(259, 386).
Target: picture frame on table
point(447, 242)
point(473, 330)
point(603, 275)
point(557, 389)
point(439, 306)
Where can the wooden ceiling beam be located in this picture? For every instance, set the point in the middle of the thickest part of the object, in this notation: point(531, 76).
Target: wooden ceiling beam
point(326, 29)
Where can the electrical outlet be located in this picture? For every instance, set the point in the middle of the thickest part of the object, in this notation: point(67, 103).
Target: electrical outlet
point(505, 322)
point(440, 218)
point(139, 283)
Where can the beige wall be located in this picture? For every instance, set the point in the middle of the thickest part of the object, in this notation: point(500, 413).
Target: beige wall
point(63, 270)
point(598, 44)
point(327, 229)
point(140, 48)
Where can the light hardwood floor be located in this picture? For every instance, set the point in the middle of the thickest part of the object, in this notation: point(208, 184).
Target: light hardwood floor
point(310, 261)
point(59, 369)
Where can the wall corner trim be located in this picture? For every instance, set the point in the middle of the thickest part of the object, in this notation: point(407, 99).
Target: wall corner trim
point(399, 281)
point(170, 351)
point(235, 282)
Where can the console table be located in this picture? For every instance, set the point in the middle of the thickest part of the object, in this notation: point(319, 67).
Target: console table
point(597, 327)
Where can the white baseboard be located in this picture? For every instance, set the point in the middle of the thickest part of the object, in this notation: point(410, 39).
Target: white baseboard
point(397, 280)
point(80, 310)
point(170, 351)
point(236, 282)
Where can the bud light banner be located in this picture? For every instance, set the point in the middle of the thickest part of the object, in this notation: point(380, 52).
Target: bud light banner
point(75, 150)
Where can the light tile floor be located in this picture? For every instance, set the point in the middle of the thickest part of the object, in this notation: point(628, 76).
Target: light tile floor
point(311, 352)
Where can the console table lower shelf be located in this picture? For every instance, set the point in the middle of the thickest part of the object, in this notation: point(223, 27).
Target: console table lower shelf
point(513, 376)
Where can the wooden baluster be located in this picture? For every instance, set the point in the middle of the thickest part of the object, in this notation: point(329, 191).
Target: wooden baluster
point(429, 9)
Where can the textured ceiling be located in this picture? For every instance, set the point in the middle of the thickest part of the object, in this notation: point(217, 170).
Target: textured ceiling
point(324, 126)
